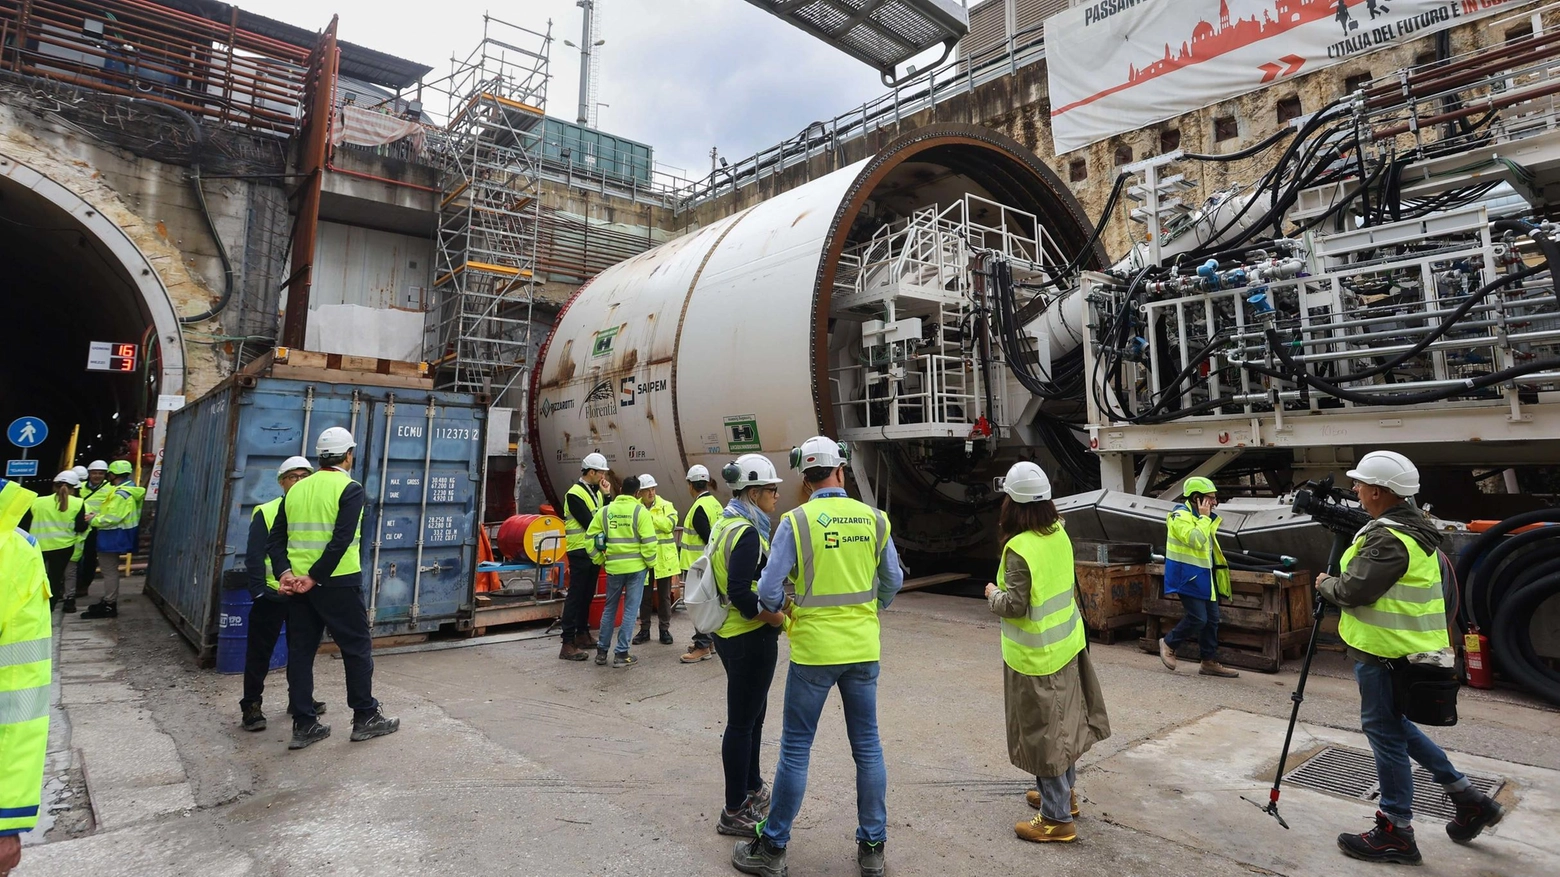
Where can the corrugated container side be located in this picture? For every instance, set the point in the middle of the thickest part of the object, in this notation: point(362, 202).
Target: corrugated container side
point(183, 577)
point(435, 448)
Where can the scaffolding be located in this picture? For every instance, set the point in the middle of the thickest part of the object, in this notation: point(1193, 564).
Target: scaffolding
point(489, 210)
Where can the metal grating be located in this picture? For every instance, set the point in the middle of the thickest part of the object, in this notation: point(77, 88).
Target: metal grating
point(1351, 773)
point(883, 33)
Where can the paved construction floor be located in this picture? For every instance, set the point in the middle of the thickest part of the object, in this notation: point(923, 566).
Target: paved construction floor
point(512, 762)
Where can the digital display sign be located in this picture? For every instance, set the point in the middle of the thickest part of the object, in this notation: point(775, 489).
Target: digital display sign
point(112, 356)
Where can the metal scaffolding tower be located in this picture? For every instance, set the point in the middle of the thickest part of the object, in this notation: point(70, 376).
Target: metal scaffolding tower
point(489, 210)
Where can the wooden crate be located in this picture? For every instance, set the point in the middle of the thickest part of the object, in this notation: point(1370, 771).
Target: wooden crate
point(1110, 596)
point(1111, 552)
point(1265, 620)
point(336, 368)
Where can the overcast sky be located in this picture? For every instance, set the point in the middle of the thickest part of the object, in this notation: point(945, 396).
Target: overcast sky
point(680, 75)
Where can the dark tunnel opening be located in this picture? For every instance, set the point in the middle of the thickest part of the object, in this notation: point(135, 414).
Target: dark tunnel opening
point(63, 290)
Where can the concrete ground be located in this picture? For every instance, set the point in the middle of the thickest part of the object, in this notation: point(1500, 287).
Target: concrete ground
point(510, 761)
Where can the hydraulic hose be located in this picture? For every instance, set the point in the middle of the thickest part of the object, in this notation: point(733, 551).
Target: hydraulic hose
point(205, 209)
point(1244, 153)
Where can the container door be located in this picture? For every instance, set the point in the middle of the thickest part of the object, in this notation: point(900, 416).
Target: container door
point(423, 473)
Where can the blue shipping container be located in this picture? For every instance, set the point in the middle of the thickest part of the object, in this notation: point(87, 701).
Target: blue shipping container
point(420, 456)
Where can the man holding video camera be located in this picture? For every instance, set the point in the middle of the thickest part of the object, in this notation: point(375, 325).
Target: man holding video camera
point(1394, 619)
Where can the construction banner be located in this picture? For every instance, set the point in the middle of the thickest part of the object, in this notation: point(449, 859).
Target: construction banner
point(1119, 65)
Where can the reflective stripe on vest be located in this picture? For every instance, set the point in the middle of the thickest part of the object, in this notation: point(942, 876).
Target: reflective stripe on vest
point(1050, 633)
point(1193, 551)
point(26, 654)
point(574, 532)
point(839, 545)
point(690, 545)
point(1410, 617)
point(312, 505)
point(53, 528)
point(267, 513)
point(93, 497)
point(725, 533)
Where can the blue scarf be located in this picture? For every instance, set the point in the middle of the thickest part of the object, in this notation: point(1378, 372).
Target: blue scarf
point(751, 513)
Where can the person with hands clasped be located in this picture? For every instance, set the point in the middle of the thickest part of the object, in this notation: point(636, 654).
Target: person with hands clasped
point(1195, 570)
point(748, 642)
point(1055, 710)
point(315, 556)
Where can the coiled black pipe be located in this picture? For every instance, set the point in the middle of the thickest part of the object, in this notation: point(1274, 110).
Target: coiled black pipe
point(1487, 541)
point(1489, 587)
point(1508, 578)
point(1512, 639)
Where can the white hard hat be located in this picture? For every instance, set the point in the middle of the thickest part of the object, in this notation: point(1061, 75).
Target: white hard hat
point(70, 477)
point(697, 472)
point(292, 463)
point(334, 442)
point(818, 452)
point(1026, 482)
point(750, 470)
point(1387, 469)
point(595, 461)
point(97, 466)
point(81, 472)
point(647, 481)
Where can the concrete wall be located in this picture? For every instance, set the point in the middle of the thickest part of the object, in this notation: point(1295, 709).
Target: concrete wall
point(1019, 106)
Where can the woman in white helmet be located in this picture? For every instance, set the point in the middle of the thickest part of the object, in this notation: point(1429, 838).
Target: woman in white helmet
point(1055, 710)
point(748, 642)
point(57, 522)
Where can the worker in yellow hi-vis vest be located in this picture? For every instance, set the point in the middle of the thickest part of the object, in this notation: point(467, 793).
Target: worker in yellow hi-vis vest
point(268, 611)
point(1055, 710)
point(838, 554)
point(25, 652)
point(580, 505)
point(1394, 615)
point(315, 554)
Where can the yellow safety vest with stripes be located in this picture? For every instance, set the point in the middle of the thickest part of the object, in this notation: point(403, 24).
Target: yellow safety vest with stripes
point(664, 516)
point(25, 667)
point(1050, 634)
point(691, 544)
point(266, 512)
point(724, 534)
point(1410, 617)
point(94, 496)
point(53, 528)
point(839, 544)
point(629, 544)
point(311, 506)
point(574, 532)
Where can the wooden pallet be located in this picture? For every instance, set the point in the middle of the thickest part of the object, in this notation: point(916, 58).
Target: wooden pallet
point(1266, 619)
point(336, 368)
point(1119, 629)
point(1110, 596)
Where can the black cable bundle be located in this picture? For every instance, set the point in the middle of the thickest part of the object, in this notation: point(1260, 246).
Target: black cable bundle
point(1507, 578)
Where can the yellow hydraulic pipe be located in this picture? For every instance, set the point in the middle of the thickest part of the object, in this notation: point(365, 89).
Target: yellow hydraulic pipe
point(70, 448)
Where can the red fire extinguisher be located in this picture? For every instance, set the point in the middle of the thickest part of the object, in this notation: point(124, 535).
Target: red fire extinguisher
point(1476, 651)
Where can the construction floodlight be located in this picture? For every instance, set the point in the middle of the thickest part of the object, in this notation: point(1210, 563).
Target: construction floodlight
point(883, 33)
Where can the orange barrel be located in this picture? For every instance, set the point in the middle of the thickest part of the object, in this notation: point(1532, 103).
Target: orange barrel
point(536, 538)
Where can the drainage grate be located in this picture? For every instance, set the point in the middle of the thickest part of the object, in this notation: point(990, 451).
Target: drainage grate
point(1350, 773)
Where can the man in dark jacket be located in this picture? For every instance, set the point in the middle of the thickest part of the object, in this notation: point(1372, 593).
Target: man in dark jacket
point(1394, 606)
point(315, 555)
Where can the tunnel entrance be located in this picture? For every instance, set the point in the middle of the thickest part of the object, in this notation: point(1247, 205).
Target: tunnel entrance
point(72, 277)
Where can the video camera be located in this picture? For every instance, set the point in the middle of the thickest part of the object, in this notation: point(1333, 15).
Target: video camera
point(1326, 504)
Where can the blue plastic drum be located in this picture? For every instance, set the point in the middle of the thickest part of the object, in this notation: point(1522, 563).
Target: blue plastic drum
point(233, 633)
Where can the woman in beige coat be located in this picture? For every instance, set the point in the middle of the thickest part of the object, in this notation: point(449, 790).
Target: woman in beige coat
point(1055, 711)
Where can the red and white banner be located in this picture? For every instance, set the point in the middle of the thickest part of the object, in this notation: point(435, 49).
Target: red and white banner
point(1118, 65)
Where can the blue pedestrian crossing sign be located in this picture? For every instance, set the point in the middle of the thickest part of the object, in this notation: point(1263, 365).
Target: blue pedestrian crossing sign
point(27, 432)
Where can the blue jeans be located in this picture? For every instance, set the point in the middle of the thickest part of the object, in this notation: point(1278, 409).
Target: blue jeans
point(628, 587)
point(806, 689)
point(1394, 740)
point(1199, 622)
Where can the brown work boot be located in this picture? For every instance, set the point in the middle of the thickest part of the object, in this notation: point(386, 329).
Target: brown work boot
point(1033, 797)
point(1214, 668)
point(695, 654)
point(1042, 830)
point(583, 640)
point(1166, 654)
point(571, 653)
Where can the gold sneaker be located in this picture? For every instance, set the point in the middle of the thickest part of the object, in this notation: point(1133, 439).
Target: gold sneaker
point(1043, 830)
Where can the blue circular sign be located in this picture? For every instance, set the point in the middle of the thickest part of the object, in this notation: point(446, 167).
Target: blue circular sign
point(27, 432)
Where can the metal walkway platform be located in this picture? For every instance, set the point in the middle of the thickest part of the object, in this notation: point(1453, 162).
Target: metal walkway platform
point(882, 33)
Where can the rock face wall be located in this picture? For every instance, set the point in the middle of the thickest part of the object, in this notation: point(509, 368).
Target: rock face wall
point(1019, 106)
point(154, 203)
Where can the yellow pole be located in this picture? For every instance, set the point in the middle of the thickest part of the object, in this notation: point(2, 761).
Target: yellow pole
point(70, 448)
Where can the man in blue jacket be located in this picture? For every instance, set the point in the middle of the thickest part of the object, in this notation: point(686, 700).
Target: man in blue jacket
point(1196, 571)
